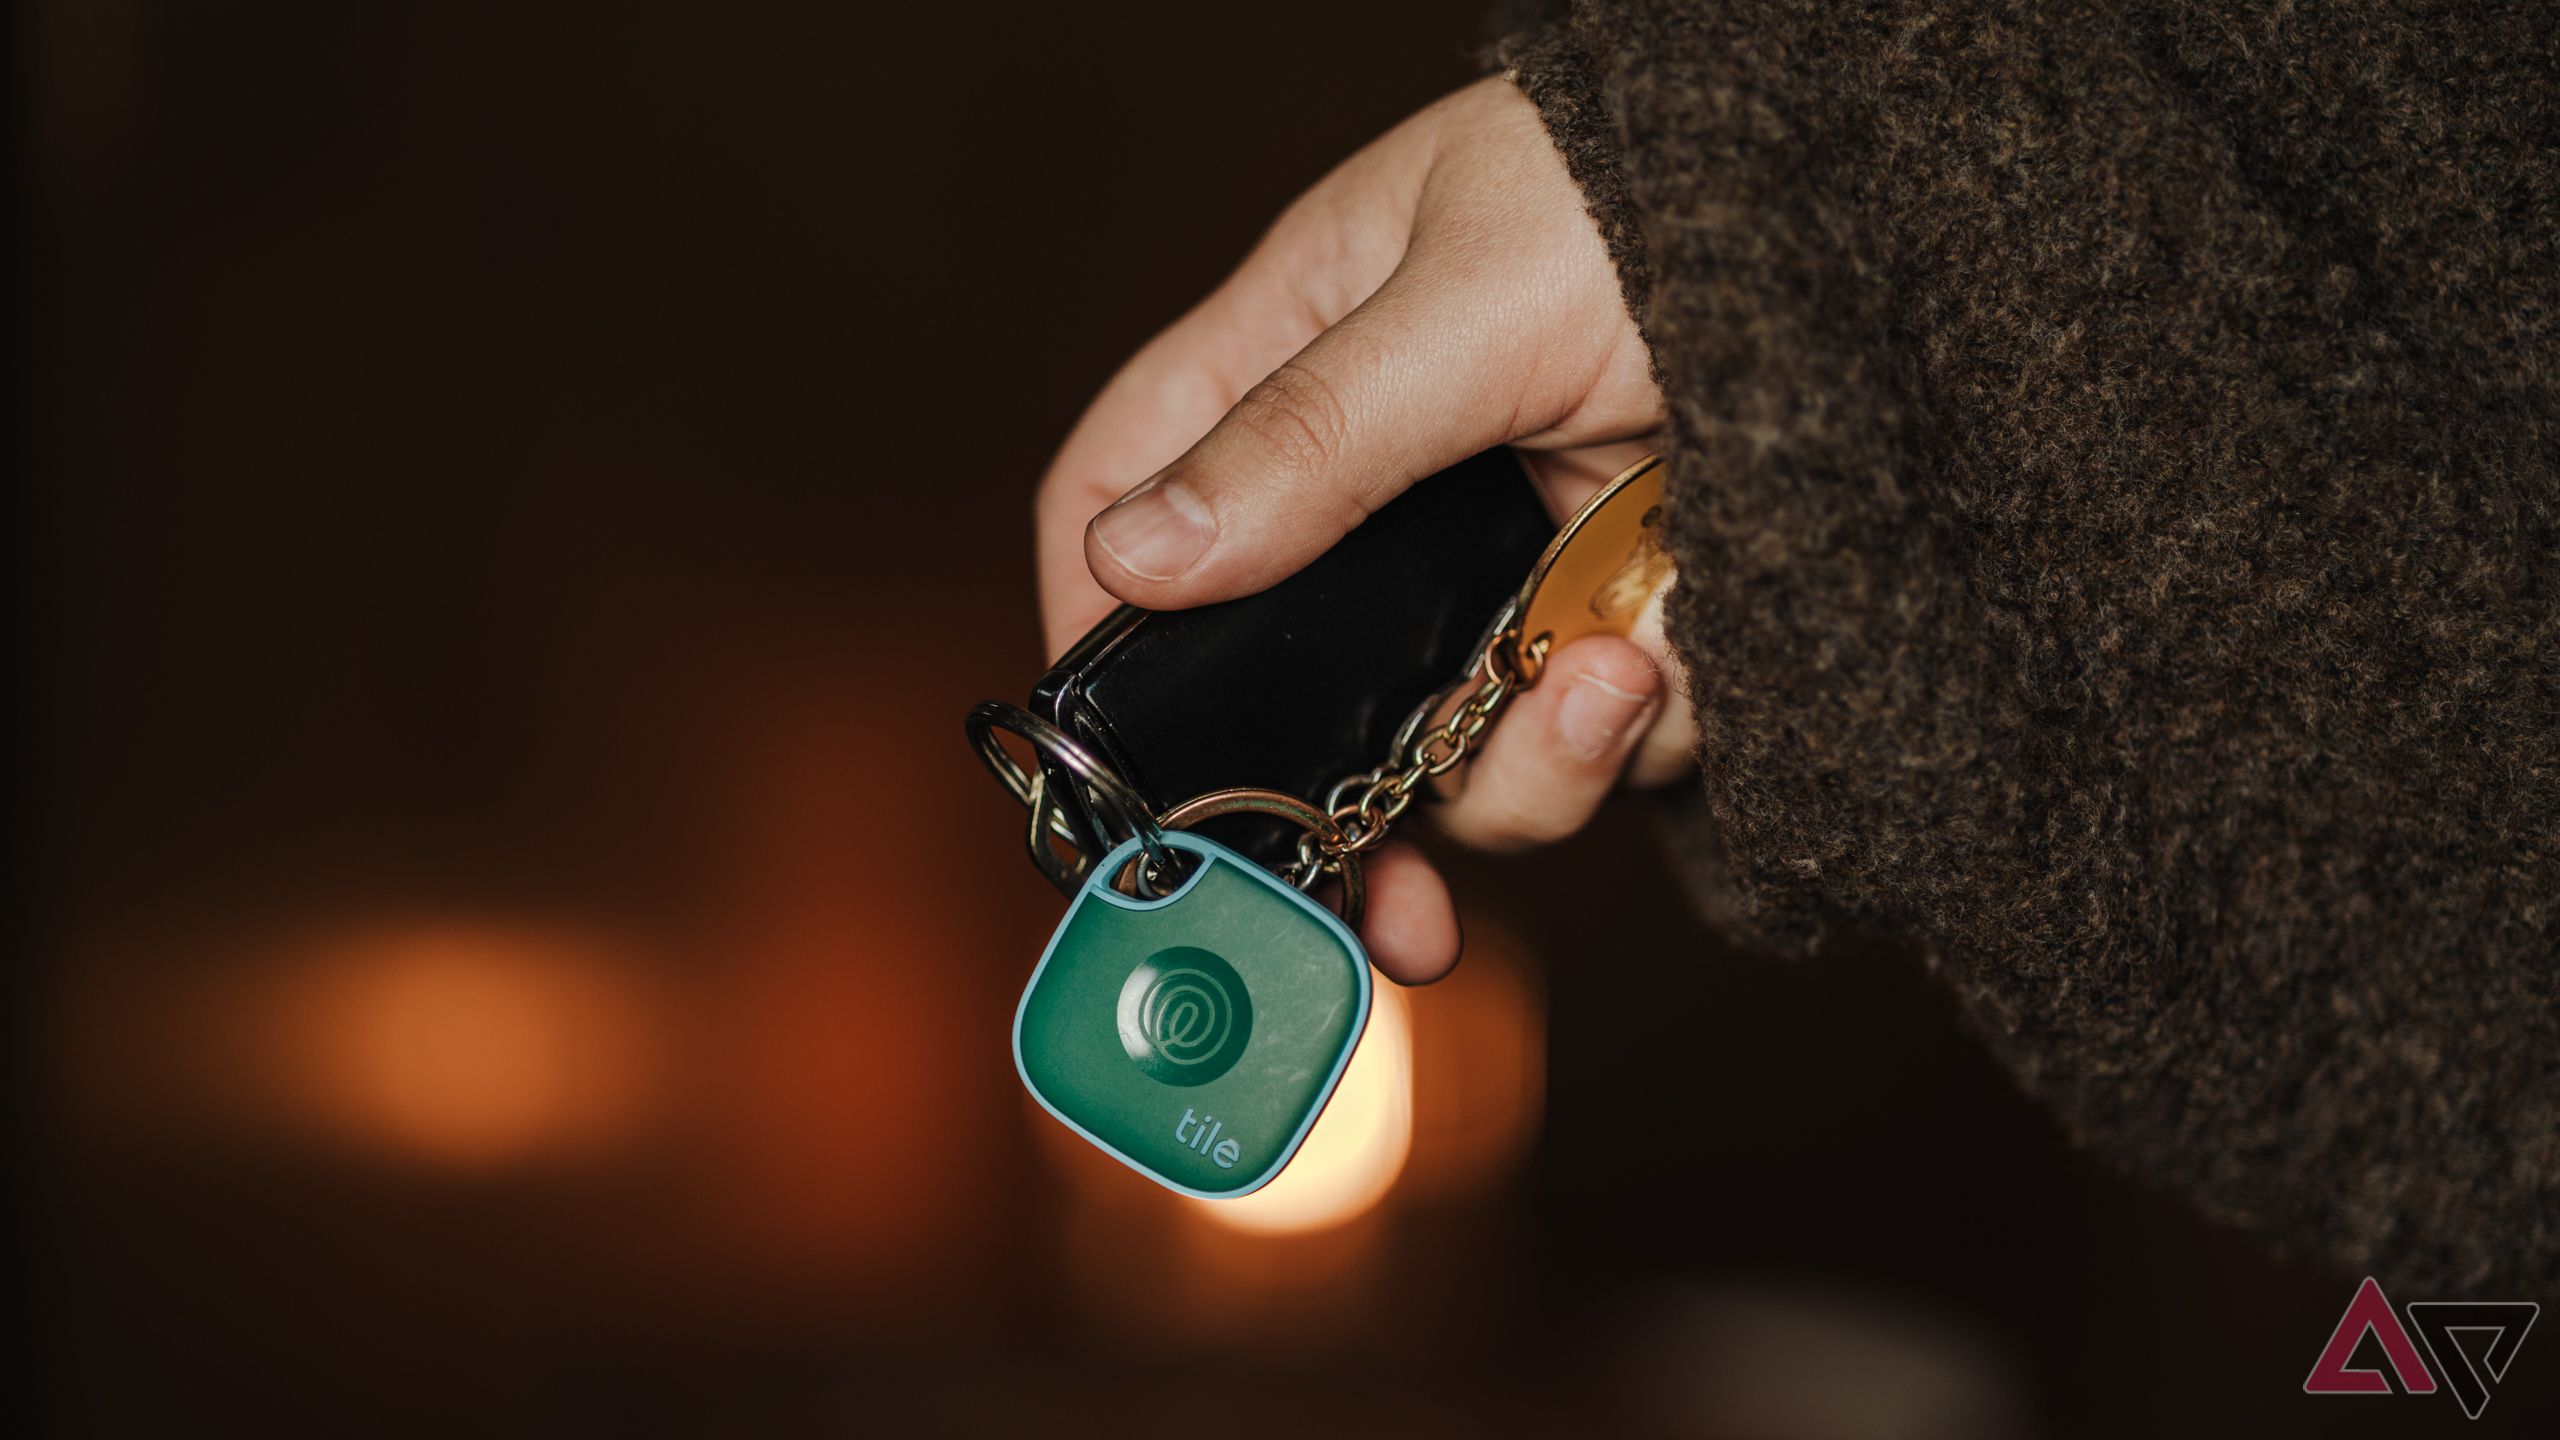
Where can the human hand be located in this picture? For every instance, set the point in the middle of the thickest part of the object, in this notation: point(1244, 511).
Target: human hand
point(1443, 291)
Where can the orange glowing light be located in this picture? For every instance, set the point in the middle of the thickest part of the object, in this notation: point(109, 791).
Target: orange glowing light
point(1358, 1145)
point(1479, 1081)
point(470, 1047)
point(852, 1032)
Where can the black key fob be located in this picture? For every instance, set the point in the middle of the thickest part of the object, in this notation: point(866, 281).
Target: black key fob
point(1306, 683)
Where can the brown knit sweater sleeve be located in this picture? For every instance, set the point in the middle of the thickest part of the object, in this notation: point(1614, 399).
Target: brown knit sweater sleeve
point(2116, 458)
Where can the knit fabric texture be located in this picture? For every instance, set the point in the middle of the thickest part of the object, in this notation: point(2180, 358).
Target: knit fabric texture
point(2113, 456)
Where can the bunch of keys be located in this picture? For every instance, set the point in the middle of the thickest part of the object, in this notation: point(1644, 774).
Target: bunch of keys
point(1196, 1007)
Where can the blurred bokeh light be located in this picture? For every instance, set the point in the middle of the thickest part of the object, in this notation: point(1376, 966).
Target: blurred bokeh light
point(1358, 1146)
point(468, 1048)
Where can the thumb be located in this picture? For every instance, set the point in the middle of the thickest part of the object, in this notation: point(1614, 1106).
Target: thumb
point(1402, 387)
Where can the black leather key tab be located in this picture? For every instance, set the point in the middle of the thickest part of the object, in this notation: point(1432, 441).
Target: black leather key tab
point(1305, 683)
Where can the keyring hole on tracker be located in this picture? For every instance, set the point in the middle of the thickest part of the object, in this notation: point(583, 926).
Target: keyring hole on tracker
point(1153, 877)
point(1158, 883)
point(1273, 804)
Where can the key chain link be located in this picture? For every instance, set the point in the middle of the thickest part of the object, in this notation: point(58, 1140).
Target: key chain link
point(1502, 671)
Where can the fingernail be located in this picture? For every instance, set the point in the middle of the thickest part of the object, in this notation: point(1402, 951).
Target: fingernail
point(1596, 715)
point(1156, 531)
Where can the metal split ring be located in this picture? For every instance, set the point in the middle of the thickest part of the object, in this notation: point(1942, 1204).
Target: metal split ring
point(1100, 784)
point(1281, 805)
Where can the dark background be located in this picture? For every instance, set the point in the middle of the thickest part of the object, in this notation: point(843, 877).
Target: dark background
point(519, 499)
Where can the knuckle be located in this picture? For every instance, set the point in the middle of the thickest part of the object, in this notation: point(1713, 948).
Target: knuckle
point(1499, 819)
point(1054, 499)
point(1298, 418)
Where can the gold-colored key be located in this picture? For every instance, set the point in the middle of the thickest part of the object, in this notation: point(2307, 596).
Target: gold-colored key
point(1604, 567)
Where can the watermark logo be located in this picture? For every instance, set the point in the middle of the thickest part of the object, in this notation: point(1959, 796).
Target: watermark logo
point(2469, 1342)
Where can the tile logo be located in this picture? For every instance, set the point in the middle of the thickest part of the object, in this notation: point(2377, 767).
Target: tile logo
point(1184, 1016)
point(2471, 1343)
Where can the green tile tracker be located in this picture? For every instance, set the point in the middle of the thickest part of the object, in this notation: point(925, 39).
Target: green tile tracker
point(1197, 1035)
